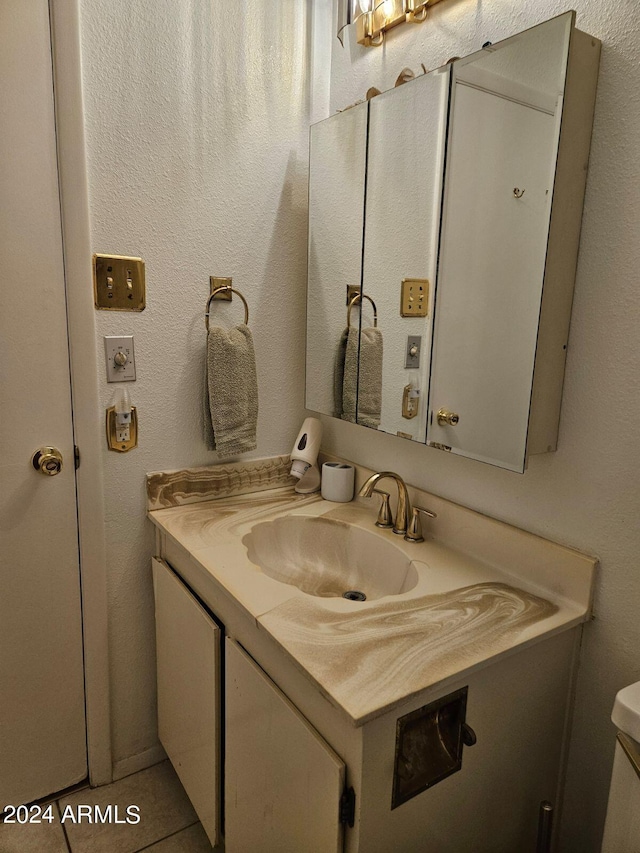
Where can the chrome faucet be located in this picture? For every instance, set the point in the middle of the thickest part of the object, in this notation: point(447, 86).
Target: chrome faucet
point(404, 506)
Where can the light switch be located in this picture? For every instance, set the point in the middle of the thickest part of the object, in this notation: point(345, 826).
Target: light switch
point(119, 283)
point(120, 358)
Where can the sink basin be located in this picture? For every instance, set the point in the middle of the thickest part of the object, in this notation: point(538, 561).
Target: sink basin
point(330, 558)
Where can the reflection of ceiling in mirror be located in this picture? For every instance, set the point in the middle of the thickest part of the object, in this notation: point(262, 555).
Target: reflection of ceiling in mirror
point(535, 58)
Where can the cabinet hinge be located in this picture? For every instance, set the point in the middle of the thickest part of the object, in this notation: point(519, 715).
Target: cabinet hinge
point(76, 456)
point(348, 807)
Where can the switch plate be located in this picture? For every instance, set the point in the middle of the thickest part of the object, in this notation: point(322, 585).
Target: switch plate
point(414, 298)
point(412, 354)
point(114, 345)
point(118, 283)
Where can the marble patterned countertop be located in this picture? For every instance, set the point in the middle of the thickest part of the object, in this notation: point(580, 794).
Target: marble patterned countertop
point(368, 657)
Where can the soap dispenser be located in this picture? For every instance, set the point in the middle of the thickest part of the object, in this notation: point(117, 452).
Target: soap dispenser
point(304, 457)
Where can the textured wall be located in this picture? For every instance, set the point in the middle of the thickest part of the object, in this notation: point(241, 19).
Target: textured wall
point(586, 494)
point(197, 135)
point(197, 122)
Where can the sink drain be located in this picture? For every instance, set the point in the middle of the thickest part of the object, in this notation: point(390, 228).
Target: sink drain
point(354, 595)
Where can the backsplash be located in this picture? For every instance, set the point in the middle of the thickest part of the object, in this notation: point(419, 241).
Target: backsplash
point(190, 485)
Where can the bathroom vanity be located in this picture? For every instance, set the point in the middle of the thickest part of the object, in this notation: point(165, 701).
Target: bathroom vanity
point(430, 717)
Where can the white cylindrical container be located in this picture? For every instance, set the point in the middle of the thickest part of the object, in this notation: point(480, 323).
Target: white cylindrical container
point(337, 482)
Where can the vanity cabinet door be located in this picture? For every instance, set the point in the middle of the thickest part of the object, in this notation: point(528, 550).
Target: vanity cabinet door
point(282, 780)
point(189, 706)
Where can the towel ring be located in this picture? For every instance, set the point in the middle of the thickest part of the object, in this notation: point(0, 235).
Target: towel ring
point(357, 298)
point(226, 287)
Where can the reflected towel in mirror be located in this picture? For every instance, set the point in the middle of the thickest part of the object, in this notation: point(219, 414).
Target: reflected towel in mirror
point(363, 387)
point(370, 378)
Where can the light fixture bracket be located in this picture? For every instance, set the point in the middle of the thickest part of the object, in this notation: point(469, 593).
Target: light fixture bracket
point(386, 14)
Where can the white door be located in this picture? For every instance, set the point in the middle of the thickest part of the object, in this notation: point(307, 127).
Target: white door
point(42, 720)
point(282, 780)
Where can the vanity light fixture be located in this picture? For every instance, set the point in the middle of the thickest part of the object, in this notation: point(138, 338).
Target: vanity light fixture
point(373, 23)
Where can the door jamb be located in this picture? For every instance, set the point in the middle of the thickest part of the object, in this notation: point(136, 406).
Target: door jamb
point(74, 202)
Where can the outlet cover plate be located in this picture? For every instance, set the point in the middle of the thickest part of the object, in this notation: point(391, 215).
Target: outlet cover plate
point(414, 300)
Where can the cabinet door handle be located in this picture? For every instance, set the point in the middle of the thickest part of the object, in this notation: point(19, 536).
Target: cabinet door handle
point(469, 737)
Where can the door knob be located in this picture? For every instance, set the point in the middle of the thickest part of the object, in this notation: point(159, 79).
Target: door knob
point(445, 417)
point(47, 460)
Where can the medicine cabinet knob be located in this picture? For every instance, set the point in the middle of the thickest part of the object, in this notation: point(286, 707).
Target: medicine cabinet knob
point(120, 358)
point(445, 417)
point(47, 460)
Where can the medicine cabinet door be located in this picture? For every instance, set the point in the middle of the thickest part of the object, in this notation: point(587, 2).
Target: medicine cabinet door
point(402, 219)
point(338, 152)
point(506, 107)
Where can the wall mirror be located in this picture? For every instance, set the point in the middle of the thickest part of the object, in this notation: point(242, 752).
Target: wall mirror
point(338, 152)
point(444, 224)
point(401, 226)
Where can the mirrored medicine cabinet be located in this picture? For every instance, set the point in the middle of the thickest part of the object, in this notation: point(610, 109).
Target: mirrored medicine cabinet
point(444, 223)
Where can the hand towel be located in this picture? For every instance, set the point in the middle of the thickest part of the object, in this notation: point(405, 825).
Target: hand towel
point(369, 378)
point(232, 390)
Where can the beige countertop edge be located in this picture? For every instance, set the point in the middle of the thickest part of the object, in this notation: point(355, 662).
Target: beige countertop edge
point(359, 719)
point(570, 617)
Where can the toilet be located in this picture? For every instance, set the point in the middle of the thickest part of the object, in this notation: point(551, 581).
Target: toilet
point(622, 827)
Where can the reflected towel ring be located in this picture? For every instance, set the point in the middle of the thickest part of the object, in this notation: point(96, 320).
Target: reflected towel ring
point(357, 298)
point(226, 287)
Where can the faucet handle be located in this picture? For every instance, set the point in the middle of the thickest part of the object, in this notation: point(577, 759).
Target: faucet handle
point(385, 518)
point(414, 533)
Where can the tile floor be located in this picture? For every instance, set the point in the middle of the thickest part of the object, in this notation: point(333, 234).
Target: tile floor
point(168, 823)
